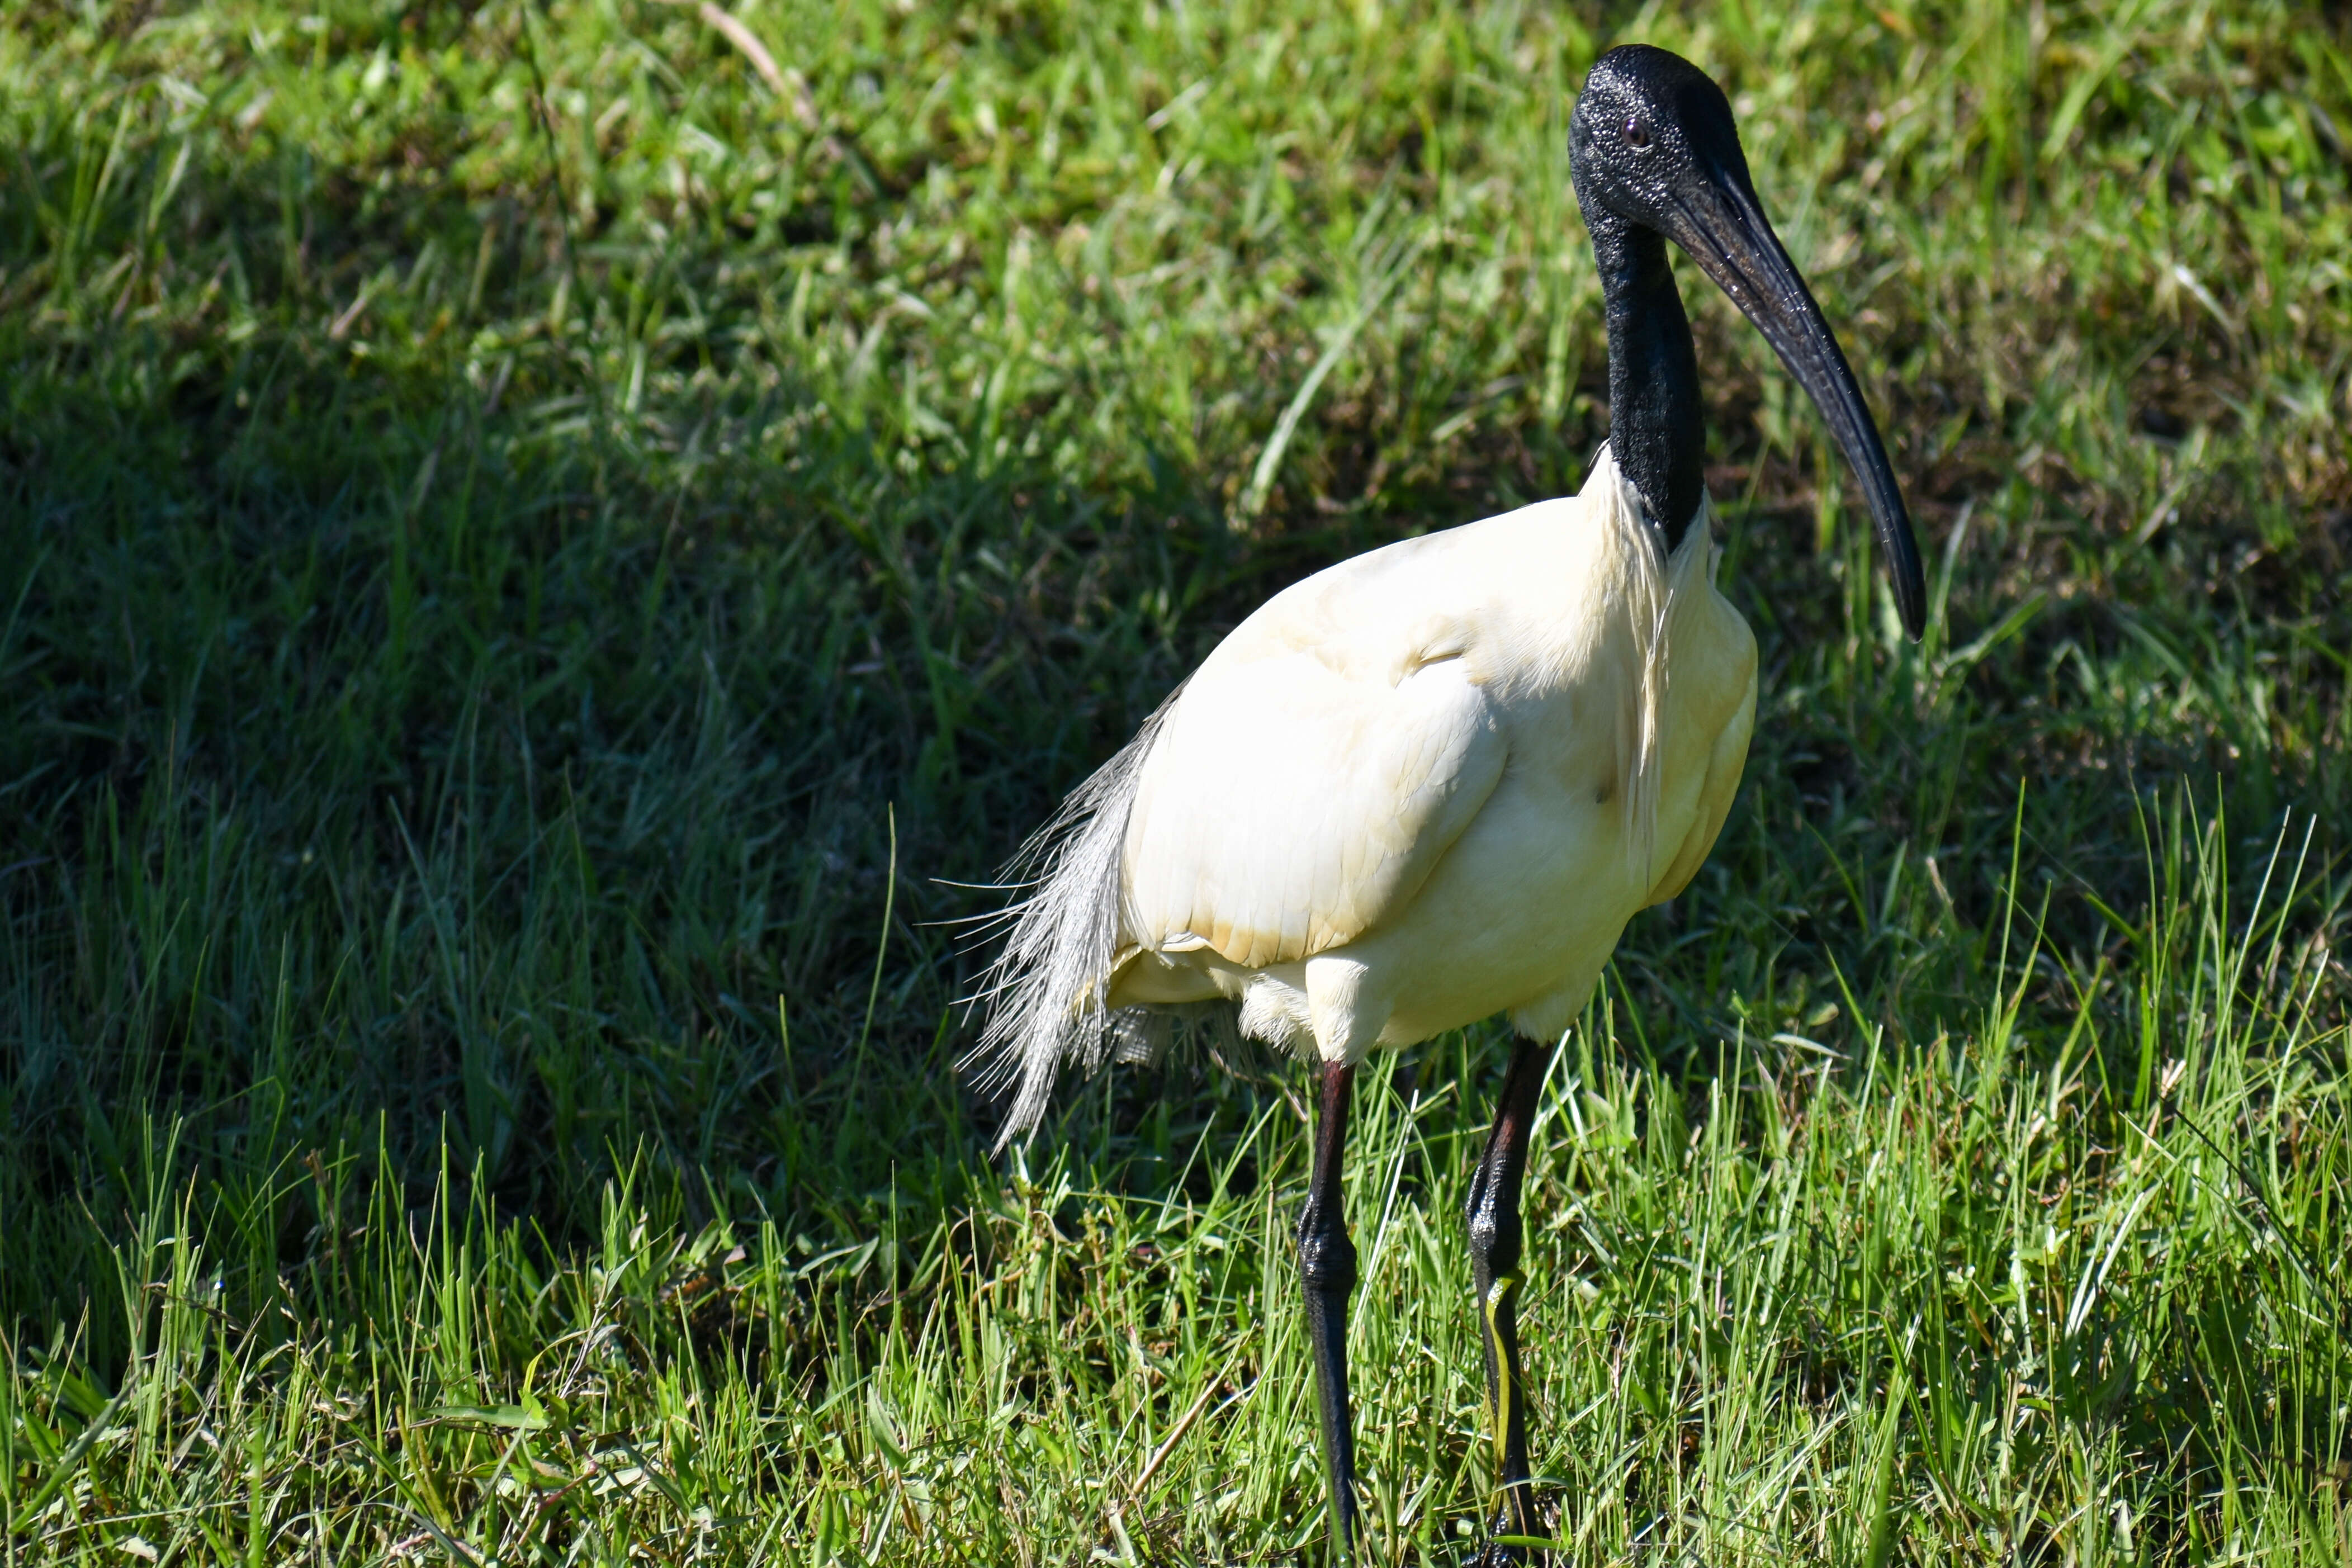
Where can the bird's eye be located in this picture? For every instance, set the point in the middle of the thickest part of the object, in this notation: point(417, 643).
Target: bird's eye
point(1637, 134)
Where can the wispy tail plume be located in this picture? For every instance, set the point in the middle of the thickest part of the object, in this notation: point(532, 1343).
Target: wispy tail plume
point(1046, 990)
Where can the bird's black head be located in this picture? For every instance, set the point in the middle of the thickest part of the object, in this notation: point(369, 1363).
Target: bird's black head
point(1651, 133)
point(1654, 152)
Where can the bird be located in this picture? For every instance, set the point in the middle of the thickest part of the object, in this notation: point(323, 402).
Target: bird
point(1431, 783)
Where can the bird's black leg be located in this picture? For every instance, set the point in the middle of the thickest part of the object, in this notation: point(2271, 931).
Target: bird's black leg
point(1327, 1268)
point(1494, 1217)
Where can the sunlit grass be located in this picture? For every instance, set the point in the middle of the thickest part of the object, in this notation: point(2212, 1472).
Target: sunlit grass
point(486, 568)
point(2062, 1283)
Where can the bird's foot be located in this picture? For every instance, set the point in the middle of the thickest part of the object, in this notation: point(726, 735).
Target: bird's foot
point(1513, 1525)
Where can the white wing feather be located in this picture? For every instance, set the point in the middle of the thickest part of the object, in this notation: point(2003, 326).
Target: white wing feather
point(1288, 805)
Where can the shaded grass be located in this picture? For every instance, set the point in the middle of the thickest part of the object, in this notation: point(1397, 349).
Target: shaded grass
point(499, 503)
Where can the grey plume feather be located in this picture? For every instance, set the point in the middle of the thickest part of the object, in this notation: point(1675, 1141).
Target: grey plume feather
point(1046, 990)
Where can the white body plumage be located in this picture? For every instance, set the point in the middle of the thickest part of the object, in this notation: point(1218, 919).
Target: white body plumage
point(1427, 785)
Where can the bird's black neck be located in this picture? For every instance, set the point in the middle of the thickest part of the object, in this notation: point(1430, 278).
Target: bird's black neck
point(1656, 429)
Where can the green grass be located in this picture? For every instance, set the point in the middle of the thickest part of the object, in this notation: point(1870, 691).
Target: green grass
point(530, 552)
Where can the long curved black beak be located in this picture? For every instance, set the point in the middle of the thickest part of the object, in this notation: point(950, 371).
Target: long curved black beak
point(1719, 225)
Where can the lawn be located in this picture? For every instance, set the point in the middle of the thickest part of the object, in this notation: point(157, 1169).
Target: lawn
point(541, 541)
